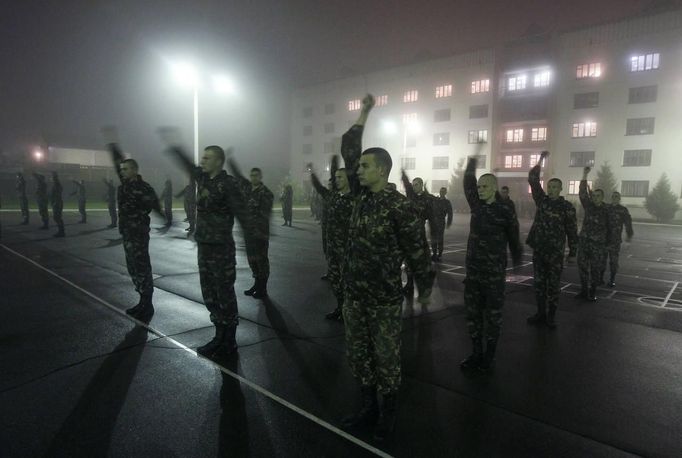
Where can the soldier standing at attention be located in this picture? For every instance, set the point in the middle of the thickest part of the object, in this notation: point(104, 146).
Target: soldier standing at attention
point(21, 196)
point(219, 200)
point(259, 200)
point(619, 216)
point(442, 218)
point(136, 199)
point(493, 226)
point(554, 223)
point(167, 198)
point(57, 202)
point(384, 230)
point(339, 203)
point(80, 193)
point(287, 204)
point(110, 197)
point(41, 198)
point(594, 238)
point(505, 199)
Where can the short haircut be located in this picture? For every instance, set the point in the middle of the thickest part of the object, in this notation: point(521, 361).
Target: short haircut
point(556, 179)
point(599, 190)
point(418, 179)
point(443, 189)
point(505, 188)
point(256, 169)
point(132, 162)
point(615, 193)
point(382, 158)
point(342, 169)
point(489, 175)
point(218, 152)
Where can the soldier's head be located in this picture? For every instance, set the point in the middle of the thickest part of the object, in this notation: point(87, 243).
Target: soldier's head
point(256, 176)
point(375, 167)
point(554, 187)
point(212, 160)
point(392, 186)
point(504, 192)
point(55, 176)
point(341, 180)
point(615, 198)
point(129, 169)
point(19, 175)
point(598, 196)
point(443, 191)
point(487, 187)
point(418, 185)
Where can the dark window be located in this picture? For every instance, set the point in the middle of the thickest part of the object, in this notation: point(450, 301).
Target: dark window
point(640, 126)
point(441, 139)
point(586, 100)
point(441, 115)
point(441, 162)
point(644, 94)
point(409, 163)
point(634, 188)
point(637, 158)
point(582, 159)
point(478, 111)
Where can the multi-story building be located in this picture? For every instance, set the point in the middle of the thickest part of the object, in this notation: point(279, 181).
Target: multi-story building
point(605, 94)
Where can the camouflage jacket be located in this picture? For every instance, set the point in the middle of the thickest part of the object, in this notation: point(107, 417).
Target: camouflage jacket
point(384, 230)
point(189, 193)
point(258, 201)
point(339, 208)
point(508, 202)
point(619, 216)
point(56, 193)
point(442, 209)
point(555, 221)
point(41, 187)
point(596, 227)
point(493, 226)
point(423, 202)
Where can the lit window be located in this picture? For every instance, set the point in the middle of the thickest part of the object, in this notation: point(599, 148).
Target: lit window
point(444, 91)
point(538, 134)
point(533, 160)
point(584, 129)
point(478, 136)
point(411, 96)
point(574, 186)
point(480, 86)
point(513, 161)
point(517, 83)
point(381, 100)
point(514, 135)
point(644, 62)
point(542, 184)
point(592, 70)
point(409, 118)
point(541, 79)
point(354, 105)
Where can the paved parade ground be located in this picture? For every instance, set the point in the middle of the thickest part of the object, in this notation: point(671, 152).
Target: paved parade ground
point(80, 378)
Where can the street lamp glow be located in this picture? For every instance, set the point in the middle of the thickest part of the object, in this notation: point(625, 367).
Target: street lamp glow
point(185, 74)
point(389, 128)
point(38, 155)
point(223, 85)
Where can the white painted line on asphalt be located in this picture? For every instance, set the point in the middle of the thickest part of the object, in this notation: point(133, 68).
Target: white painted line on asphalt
point(672, 290)
point(567, 285)
point(613, 293)
point(234, 375)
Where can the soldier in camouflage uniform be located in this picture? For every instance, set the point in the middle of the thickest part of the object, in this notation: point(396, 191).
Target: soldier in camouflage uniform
point(384, 230)
point(167, 199)
point(338, 202)
point(442, 218)
point(619, 216)
point(21, 196)
point(287, 199)
point(424, 203)
point(80, 193)
point(110, 198)
point(41, 198)
point(505, 199)
point(189, 193)
point(136, 200)
point(219, 200)
point(57, 202)
point(259, 200)
point(555, 221)
point(493, 226)
point(594, 238)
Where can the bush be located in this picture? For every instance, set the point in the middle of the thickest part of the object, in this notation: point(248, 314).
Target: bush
point(661, 203)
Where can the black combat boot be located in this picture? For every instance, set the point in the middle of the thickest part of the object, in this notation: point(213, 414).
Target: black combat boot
point(551, 324)
point(136, 308)
point(387, 414)
point(540, 316)
point(474, 360)
point(211, 347)
point(261, 289)
point(488, 361)
point(335, 315)
point(228, 346)
point(146, 310)
point(253, 289)
point(583, 292)
point(592, 294)
point(612, 281)
point(369, 409)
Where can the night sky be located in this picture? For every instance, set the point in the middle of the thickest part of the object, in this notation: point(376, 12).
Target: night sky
point(68, 67)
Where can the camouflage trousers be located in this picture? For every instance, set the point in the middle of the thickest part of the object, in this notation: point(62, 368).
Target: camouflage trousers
point(23, 203)
point(191, 212)
point(136, 248)
point(591, 262)
point(546, 280)
point(287, 212)
point(373, 344)
point(612, 254)
point(81, 210)
point(42, 210)
point(437, 236)
point(57, 210)
point(217, 273)
point(324, 237)
point(257, 256)
point(168, 211)
point(112, 213)
point(483, 301)
point(334, 264)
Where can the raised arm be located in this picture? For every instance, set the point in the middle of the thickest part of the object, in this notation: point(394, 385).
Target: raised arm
point(584, 195)
point(116, 157)
point(183, 160)
point(534, 179)
point(236, 171)
point(407, 184)
point(351, 145)
point(317, 184)
point(333, 168)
